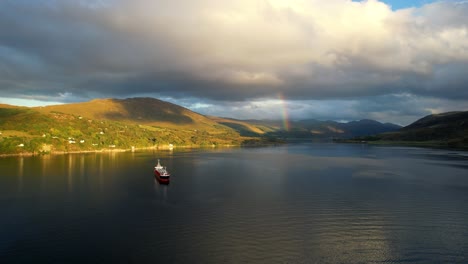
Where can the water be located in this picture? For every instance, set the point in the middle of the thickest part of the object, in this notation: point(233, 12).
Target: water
point(302, 203)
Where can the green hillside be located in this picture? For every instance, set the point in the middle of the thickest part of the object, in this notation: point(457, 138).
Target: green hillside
point(107, 124)
point(148, 111)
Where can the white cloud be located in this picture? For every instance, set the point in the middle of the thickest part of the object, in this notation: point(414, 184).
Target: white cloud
point(274, 43)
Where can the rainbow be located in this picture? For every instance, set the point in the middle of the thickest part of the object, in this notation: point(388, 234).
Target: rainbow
point(284, 113)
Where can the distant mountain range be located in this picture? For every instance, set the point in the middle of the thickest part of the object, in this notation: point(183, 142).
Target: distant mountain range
point(443, 130)
point(147, 122)
point(307, 129)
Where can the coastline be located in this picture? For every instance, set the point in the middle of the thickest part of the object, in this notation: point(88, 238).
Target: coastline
point(111, 150)
point(422, 144)
point(246, 143)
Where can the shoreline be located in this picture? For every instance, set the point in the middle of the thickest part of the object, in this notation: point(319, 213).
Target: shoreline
point(119, 150)
point(254, 143)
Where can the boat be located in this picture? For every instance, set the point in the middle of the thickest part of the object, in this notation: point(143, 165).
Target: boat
point(161, 174)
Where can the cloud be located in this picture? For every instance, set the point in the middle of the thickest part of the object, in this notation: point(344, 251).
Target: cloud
point(401, 109)
point(232, 51)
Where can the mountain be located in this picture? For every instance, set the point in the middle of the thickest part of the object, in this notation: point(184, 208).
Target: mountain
point(108, 124)
point(244, 127)
point(445, 130)
point(307, 129)
point(147, 111)
point(367, 127)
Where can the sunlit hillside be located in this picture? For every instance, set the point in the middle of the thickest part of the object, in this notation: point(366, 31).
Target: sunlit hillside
point(107, 125)
point(148, 111)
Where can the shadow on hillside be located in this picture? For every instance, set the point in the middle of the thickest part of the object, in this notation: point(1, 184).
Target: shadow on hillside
point(241, 129)
point(148, 111)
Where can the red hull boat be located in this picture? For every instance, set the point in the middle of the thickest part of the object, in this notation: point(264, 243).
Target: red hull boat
point(161, 174)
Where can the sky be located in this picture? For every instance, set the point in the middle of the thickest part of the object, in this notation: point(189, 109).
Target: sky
point(392, 61)
point(400, 4)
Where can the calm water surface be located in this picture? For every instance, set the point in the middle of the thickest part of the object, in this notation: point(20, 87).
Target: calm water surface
point(302, 203)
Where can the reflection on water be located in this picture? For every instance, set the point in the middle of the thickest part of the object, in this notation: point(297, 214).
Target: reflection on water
point(308, 203)
point(20, 173)
point(70, 173)
point(161, 191)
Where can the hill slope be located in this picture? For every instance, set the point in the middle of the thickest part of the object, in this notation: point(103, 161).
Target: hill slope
point(445, 130)
point(147, 111)
point(307, 129)
point(249, 128)
point(107, 124)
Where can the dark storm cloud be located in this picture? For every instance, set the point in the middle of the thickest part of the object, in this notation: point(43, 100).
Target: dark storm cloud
point(236, 51)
